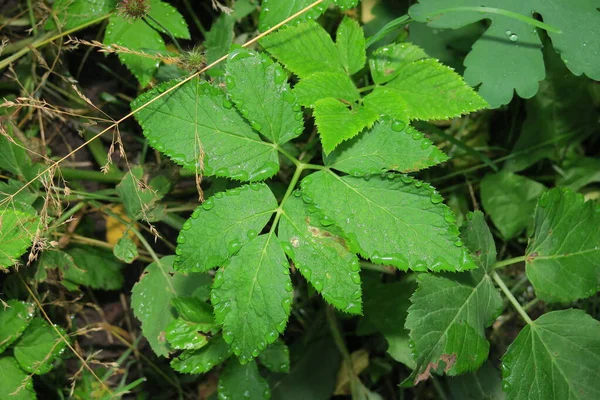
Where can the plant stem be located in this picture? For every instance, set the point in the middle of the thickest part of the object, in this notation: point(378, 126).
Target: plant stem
point(288, 155)
point(288, 193)
point(165, 29)
point(113, 176)
point(341, 345)
point(438, 388)
point(195, 18)
point(66, 215)
point(510, 261)
point(511, 298)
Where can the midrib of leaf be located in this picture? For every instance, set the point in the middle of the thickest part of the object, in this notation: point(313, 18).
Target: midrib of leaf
point(566, 255)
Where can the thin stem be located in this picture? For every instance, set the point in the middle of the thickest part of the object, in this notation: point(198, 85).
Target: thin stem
point(288, 193)
point(510, 261)
point(113, 176)
point(511, 298)
point(315, 166)
point(288, 155)
point(195, 18)
point(164, 28)
point(66, 215)
point(438, 388)
point(338, 339)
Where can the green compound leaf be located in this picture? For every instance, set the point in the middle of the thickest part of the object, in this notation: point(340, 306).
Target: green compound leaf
point(238, 381)
point(386, 62)
point(202, 360)
point(273, 12)
point(72, 13)
point(252, 297)
point(336, 122)
point(94, 267)
point(126, 250)
point(434, 91)
point(563, 256)
point(39, 347)
point(17, 230)
point(276, 357)
point(259, 89)
point(517, 43)
point(222, 225)
point(13, 321)
point(218, 41)
point(321, 256)
point(449, 313)
point(394, 220)
point(151, 299)
point(509, 200)
point(197, 118)
point(387, 102)
point(564, 348)
point(139, 36)
point(15, 382)
point(321, 85)
point(304, 49)
point(350, 42)
point(388, 146)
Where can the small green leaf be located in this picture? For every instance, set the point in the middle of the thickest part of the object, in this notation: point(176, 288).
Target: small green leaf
point(95, 267)
point(239, 381)
point(485, 383)
point(15, 383)
point(509, 200)
point(304, 49)
point(138, 196)
point(218, 41)
point(337, 123)
point(24, 198)
point(39, 346)
point(563, 345)
point(387, 102)
point(204, 127)
point(222, 225)
point(273, 12)
point(126, 250)
point(259, 89)
point(184, 335)
point(195, 317)
point(194, 310)
point(202, 360)
point(61, 262)
point(252, 297)
point(386, 62)
point(388, 146)
point(151, 299)
point(14, 318)
point(580, 172)
point(13, 156)
point(321, 85)
point(17, 230)
point(479, 240)
point(276, 357)
point(350, 42)
point(394, 220)
point(563, 256)
point(321, 256)
point(72, 13)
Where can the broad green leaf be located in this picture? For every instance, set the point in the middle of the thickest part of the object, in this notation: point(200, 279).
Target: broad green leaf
point(151, 299)
point(17, 230)
point(194, 318)
point(138, 196)
point(218, 41)
point(276, 357)
point(72, 13)
point(15, 384)
point(388, 146)
point(21, 200)
point(517, 43)
point(39, 346)
point(14, 318)
point(434, 91)
point(337, 123)
point(195, 125)
point(13, 156)
point(479, 240)
point(139, 36)
point(386, 62)
point(60, 262)
point(563, 256)
point(393, 220)
point(259, 89)
point(95, 267)
point(222, 225)
point(483, 384)
point(554, 357)
point(387, 102)
point(202, 360)
point(195, 310)
point(126, 250)
point(321, 85)
point(273, 12)
point(252, 296)
point(350, 42)
point(304, 49)
point(184, 335)
point(238, 381)
point(509, 200)
point(580, 172)
point(321, 256)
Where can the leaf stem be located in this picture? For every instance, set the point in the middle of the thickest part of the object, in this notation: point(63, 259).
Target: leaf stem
point(338, 339)
point(288, 155)
point(164, 28)
point(288, 193)
point(511, 298)
point(510, 261)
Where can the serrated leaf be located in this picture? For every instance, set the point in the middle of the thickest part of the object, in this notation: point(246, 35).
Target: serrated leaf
point(434, 91)
point(95, 267)
point(276, 357)
point(15, 382)
point(222, 225)
point(479, 240)
point(72, 13)
point(60, 261)
point(21, 200)
point(563, 346)
point(304, 49)
point(260, 90)
point(39, 346)
point(197, 117)
point(580, 172)
point(126, 250)
point(350, 42)
point(14, 318)
point(388, 146)
point(517, 43)
point(238, 381)
point(218, 41)
point(509, 200)
point(138, 196)
point(392, 222)
point(345, 4)
point(273, 12)
point(563, 256)
point(483, 384)
point(387, 102)
point(252, 296)
point(386, 62)
point(321, 85)
point(321, 256)
point(202, 360)
point(151, 299)
point(194, 310)
point(337, 123)
point(195, 317)
point(184, 335)
point(17, 230)
point(13, 156)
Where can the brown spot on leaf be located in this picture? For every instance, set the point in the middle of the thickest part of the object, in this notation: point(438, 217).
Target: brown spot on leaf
point(532, 256)
point(448, 359)
point(162, 337)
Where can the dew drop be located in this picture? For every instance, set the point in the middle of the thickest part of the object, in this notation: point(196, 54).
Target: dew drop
point(256, 126)
point(513, 38)
point(218, 195)
point(288, 286)
point(227, 104)
point(508, 33)
point(318, 285)
point(407, 178)
point(416, 135)
point(398, 126)
point(255, 353)
point(187, 225)
point(436, 197)
point(233, 247)
point(251, 234)
point(425, 144)
point(230, 81)
point(208, 204)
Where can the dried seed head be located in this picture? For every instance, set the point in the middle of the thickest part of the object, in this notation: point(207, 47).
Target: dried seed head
point(133, 9)
point(194, 59)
